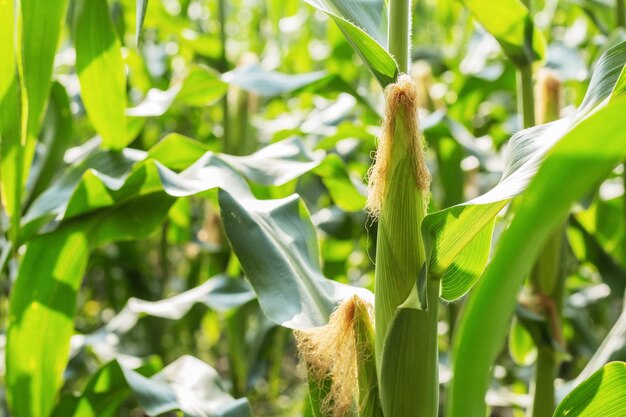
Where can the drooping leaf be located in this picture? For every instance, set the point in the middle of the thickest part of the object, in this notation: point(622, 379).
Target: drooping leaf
point(101, 72)
point(276, 245)
point(602, 394)
point(577, 160)
point(187, 384)
point(457, 237)
point(364, 23)
point(110, 177)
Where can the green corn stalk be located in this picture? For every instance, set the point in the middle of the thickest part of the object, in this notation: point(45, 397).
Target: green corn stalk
point(547, 277)
point(405, 339)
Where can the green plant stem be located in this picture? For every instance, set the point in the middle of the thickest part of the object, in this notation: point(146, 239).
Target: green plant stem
point(224, 67)
point(400, 32)
point(543, 392)
point(525, 97)
point(620, 10)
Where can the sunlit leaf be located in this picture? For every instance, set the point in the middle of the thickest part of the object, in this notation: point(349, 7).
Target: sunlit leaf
point(276, 245)
point(602, 394)
point(576, 160)
point(459, 244)
point(365, 26)
point(101, 71)
point(511, 24)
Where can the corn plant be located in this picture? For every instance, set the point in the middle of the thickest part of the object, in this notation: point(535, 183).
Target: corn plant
point(208, 248)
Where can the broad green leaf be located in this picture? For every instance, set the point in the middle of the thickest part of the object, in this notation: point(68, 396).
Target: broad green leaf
point(109, 177)
point(577, 161)
point(94, 208)
point(511, 24)
point(456, 236)
point(187, 384)
point(43, 298)
point(364, 23)
point(276, 245)
point(603, 394)
point(101, 71)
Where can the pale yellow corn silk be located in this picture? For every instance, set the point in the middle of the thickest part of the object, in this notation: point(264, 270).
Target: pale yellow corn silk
point(331, 351)
point(401, 104)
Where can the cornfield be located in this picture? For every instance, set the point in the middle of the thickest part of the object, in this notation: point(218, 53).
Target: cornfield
point(312, 208)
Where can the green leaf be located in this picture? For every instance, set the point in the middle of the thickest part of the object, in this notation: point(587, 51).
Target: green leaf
point(124, 201)
point(511, 24)
point(254, 79)
point(457, 236)
point(339, 184)
point(276, 245)
point(576, 160)
point(42, 23)
point(43, 298)
point(101, 72)
point(364, 23)
point(603, 394)
point(220, 293)
point(109, 177)
point(141, 6)
point(187, 384)
point(13, 170)
point(55, 139)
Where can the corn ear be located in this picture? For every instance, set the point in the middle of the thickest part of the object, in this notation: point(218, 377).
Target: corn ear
point(406, 299)
point(340, 363)
point(398, 192)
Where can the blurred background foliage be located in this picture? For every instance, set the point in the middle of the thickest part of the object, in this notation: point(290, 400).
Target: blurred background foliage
point(240, 75)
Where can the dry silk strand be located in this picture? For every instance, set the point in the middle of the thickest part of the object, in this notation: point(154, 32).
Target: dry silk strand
point(330, 353)
point(401, 105)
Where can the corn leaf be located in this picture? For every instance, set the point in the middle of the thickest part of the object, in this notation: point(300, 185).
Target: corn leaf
point(101, 72)
point(188, 385)
point(13, 169)
point(602, 394)
point(141, 8)
point(277, 247)
point(126, 200)
point(457, 236)
point(511, 24)
point(364, 23)
point(42, 23)
point(576, 160)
